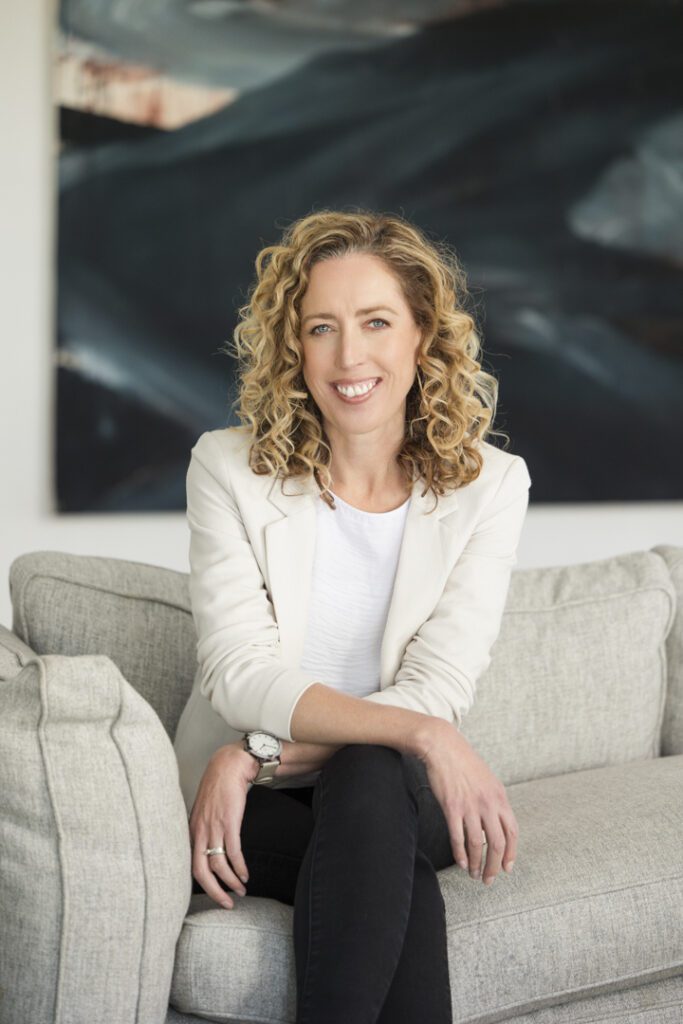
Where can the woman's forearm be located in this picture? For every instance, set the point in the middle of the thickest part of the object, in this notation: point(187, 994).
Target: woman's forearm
point(295, 759)
point(300, 758)
point(325, 715)
point(343, 719)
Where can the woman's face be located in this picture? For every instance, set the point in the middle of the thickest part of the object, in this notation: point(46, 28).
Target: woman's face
point(356, 326)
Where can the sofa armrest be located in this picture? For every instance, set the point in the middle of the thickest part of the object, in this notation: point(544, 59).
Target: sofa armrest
point(96, 874)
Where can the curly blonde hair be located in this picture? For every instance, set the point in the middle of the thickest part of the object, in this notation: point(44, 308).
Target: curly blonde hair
point(452, 401)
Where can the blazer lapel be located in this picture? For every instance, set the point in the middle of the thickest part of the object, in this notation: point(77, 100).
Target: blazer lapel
point(423, 566)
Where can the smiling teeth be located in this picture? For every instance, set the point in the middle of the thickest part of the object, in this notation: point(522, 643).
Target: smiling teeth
point(358, 389)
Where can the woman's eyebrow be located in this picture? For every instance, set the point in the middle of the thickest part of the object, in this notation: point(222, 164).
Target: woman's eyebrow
point(359, 312)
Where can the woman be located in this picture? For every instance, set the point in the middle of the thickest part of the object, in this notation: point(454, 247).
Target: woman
point(342, 627)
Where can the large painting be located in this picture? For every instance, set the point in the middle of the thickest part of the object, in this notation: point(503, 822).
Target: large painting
point(543, 141)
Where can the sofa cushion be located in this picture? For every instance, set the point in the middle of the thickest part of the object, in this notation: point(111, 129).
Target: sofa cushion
point(579, 670)
point(14, 654)
point(95, 878)
point(594, 905)
point(137, 614)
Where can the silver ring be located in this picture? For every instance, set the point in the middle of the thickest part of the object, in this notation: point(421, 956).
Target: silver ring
point(214, 849)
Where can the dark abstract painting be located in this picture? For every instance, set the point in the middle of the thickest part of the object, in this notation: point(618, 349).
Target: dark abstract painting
point(543, 141)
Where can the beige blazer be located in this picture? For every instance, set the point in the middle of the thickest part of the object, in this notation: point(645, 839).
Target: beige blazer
point(251, 562)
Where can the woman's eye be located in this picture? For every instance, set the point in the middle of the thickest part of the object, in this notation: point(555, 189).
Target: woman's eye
point(376, 320)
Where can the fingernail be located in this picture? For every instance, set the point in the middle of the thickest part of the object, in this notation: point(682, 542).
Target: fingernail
point(488, 881)
point(475, 874)
point(510, 866)
point(244, 878)
point(227, 906)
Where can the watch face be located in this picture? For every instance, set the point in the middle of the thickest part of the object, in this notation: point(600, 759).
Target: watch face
point(264, 745)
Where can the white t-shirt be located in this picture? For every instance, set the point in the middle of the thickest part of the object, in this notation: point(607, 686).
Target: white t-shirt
point(355, 561)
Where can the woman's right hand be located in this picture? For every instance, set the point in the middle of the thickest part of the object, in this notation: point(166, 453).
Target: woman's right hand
point(216, 820)
point(473, 800)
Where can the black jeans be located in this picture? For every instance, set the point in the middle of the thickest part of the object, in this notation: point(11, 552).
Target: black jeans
point(356, 855)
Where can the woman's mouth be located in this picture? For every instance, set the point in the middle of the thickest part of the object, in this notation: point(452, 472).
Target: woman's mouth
point(367, 389)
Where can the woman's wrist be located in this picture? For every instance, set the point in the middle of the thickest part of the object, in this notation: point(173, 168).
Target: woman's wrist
point(299, 758)
point(240, 756)
point(296, 758)
point(430, 734)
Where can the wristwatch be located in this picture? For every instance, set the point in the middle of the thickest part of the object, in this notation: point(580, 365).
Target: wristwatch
point(267, 749)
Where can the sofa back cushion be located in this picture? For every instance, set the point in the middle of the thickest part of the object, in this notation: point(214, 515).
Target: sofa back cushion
point(578, 675)
point(95, 879)
point(137, 614)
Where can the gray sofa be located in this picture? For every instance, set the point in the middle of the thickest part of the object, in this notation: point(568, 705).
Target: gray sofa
point(580, 714)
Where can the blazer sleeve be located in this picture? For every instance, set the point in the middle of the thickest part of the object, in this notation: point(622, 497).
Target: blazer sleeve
point(443, 661)
point(238, 648)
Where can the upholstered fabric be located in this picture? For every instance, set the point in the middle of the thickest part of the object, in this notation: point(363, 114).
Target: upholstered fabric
point(14, 654)
point(95, 875)
point(579, 671)
point(137, 614)
point(672, 726)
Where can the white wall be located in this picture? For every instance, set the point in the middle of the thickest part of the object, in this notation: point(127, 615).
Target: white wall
point(28, 128)
point(553, 534)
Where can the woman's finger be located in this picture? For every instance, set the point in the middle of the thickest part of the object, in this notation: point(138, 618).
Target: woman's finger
point(202, 872)
point(474, 842)
point(233, 846)
point(457, 834)
point(511, 830)
point(222, 868)
point(495, 847)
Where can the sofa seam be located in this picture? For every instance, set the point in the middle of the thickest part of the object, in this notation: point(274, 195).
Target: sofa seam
point(663, 659)
point(579, 601)
point(119, 677)
point(567, 902)
point(34, 577)
point(230, 1018)
point(49, 779)
point(600, 987)
point(189, 923)
point(617, 1015)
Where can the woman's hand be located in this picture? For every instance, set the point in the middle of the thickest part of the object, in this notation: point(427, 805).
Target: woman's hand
point(216, 820)
point(472, 799)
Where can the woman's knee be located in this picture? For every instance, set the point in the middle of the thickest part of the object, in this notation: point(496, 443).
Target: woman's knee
point(364, 758)
point(367, 768)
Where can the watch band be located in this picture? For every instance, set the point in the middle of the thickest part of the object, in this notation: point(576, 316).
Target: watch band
point(266, 773)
